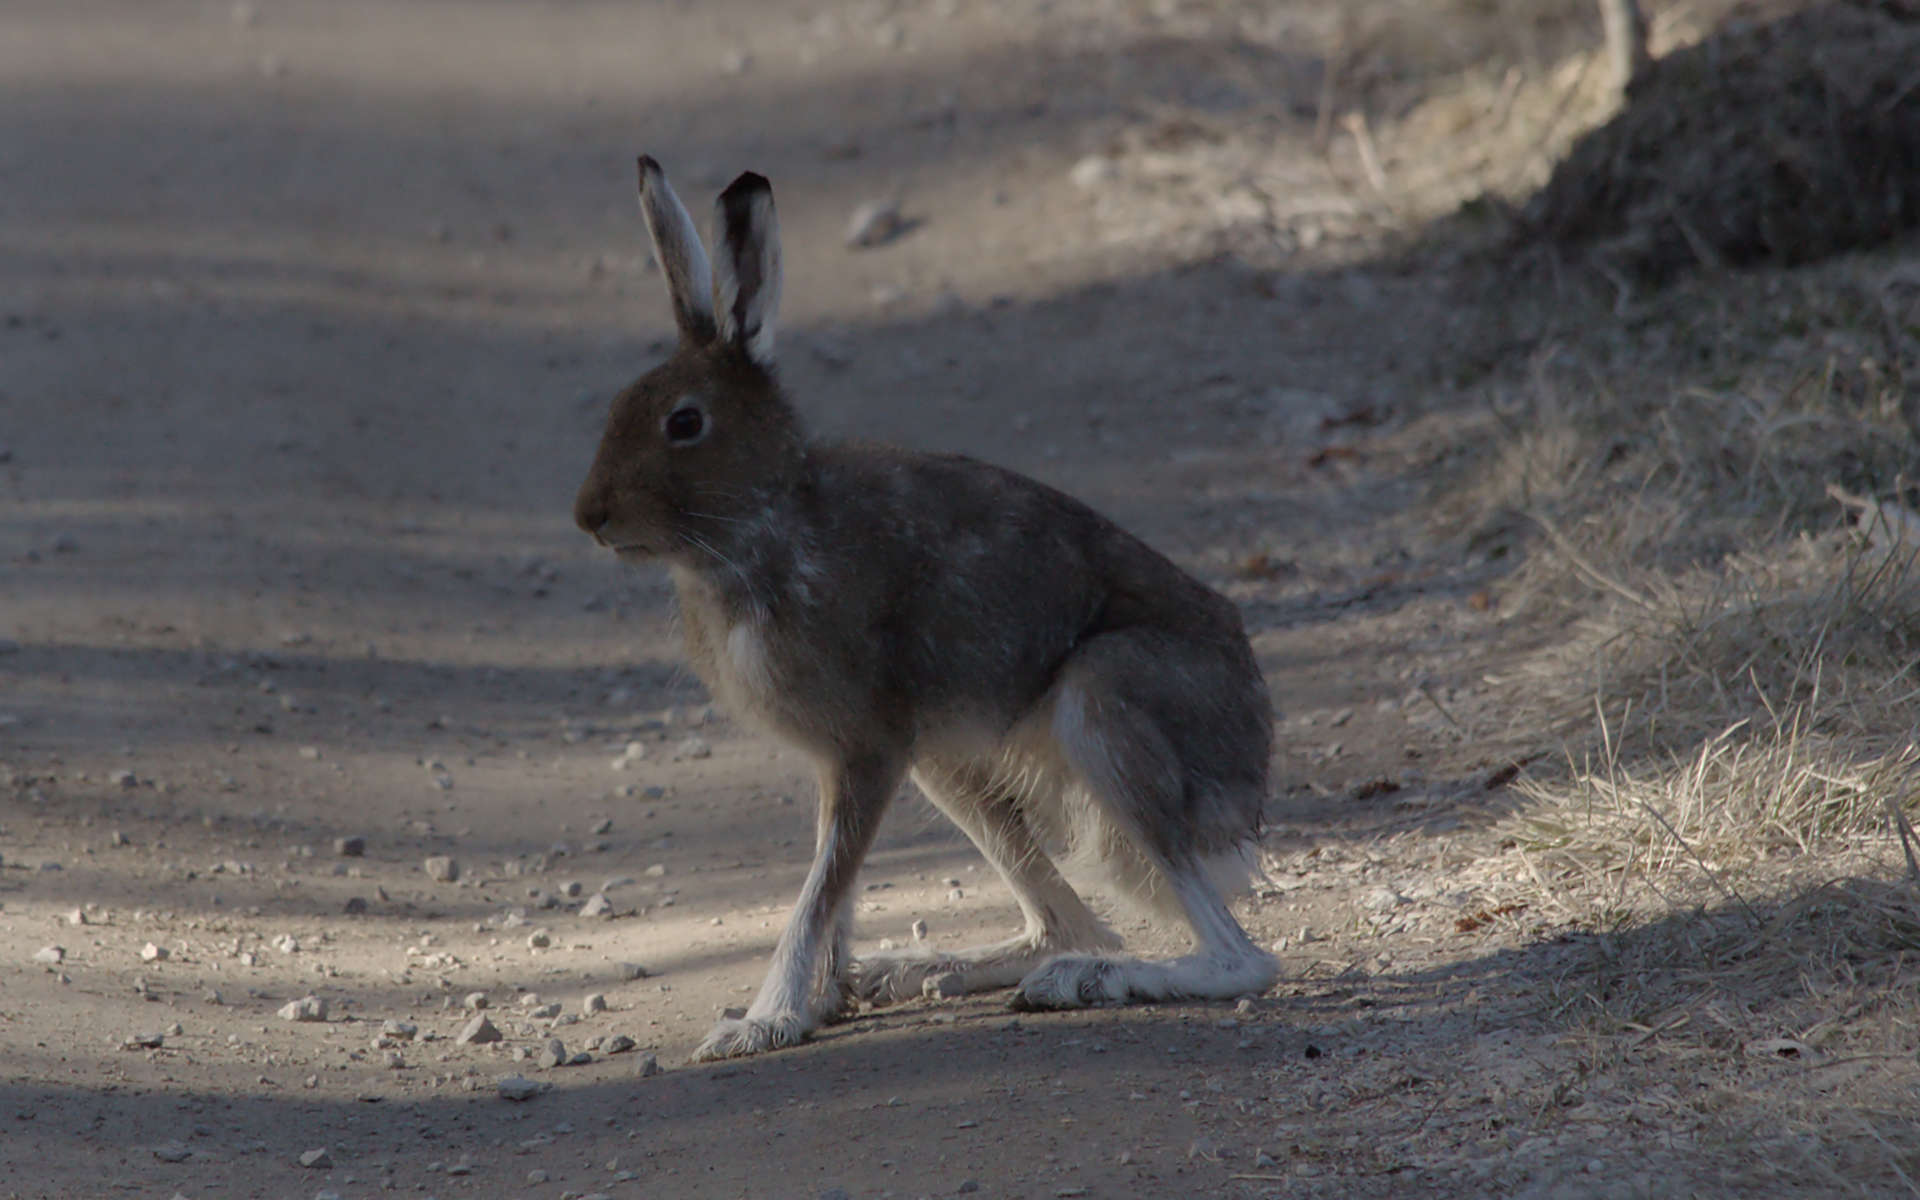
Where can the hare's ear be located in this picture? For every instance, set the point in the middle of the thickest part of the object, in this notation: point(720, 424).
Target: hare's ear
point(682, 259)
point(746, 275)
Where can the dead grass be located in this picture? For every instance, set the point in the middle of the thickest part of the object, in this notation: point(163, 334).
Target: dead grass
point(1738, 685)
point(1753, 934)
point(1713, 497)
point(1736, 803)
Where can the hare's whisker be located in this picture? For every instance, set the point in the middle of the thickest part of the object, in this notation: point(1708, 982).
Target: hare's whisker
point(739, 572)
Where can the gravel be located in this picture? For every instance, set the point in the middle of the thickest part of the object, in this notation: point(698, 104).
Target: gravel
point(441, 868)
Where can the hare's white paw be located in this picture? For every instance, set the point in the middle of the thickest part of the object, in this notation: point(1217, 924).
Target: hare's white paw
point(739, 1037)
point(1072, 981)
point(883, 979)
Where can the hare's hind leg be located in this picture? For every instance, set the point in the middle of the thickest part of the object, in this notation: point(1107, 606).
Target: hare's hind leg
point(1225, 962)
point(1173, 764)
point(989, 811)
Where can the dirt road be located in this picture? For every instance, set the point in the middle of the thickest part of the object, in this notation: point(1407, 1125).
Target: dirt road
point(309, 313)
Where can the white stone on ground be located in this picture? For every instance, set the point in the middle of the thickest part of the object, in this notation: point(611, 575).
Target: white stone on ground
point(306, 1008)
point(874, 223)
point(478, 1032)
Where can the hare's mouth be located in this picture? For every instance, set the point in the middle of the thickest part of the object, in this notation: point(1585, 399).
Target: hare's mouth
point(632, 551)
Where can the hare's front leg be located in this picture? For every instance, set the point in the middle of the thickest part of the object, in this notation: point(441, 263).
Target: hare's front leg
point(798, 992)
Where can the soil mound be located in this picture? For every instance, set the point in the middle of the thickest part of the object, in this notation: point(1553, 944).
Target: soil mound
point(1786, 141)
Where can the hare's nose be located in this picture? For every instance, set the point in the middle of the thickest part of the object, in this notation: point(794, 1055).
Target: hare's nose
point(590, 514)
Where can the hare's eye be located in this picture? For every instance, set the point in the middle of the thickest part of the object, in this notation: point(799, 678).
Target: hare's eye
point(685, 425)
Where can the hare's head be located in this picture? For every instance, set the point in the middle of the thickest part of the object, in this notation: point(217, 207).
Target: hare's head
point(704, 440)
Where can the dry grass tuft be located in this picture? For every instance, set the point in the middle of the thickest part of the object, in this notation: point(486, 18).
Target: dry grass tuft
point(1735, 803)
point(1738, 725)
point(1826, 628)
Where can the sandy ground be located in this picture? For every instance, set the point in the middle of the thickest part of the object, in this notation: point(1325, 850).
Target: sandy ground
point(309, 313)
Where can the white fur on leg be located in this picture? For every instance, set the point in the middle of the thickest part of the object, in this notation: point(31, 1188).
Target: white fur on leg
point(735, 1037)
point(1226, 965)
point(1088, 981)
point(1078, 981)
point(889, 977)
point(788, 1006)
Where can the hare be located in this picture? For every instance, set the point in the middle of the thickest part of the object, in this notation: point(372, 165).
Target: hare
point(1049, 681)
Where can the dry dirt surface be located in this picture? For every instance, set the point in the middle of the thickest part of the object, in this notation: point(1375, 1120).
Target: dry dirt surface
point(309, 314)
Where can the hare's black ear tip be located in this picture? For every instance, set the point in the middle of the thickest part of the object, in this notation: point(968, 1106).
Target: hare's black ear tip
point(649, 169)
point(746, 186)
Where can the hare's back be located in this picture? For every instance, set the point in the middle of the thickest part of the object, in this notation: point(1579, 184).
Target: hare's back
point(973, 542)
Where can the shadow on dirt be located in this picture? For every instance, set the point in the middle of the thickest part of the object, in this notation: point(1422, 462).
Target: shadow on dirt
point(1452, 1061)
